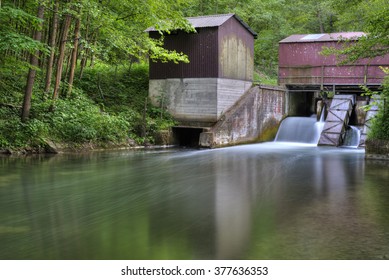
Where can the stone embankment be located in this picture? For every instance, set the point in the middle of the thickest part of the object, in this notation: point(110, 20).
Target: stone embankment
point(377, 149)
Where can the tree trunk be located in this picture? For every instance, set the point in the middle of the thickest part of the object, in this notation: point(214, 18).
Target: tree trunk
point(50, 62)
point(73, 62)
point(61, 56)
point(83, 63)
point(84, 53)
point(321, 24)
point(32, 72)
point(68, 55)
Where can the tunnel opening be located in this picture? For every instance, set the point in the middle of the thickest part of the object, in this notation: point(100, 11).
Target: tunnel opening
point(187, 136)
point(302, 103)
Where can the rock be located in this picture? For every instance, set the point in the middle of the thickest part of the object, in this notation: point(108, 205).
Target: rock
point(131, 142)
point(6, 152)
point(163, 137)
point(52, 147)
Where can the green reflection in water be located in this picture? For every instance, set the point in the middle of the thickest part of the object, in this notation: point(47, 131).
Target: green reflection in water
point(250, 202)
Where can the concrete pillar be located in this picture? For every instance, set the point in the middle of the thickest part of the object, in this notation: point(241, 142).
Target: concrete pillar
point(206, 140)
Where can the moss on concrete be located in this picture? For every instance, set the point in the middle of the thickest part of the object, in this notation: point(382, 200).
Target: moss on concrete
point(269, 131)
point(377, 149)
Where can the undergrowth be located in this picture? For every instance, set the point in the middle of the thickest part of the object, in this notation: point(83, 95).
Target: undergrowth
point(109, 105)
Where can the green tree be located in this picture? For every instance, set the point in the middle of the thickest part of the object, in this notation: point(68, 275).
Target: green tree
point(33, 65)
point(372, 17)
point(13, 39)
point(112, 31)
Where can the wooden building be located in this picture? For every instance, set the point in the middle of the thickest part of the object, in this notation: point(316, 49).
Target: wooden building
point(308, 75)
point(221, 55)
point(301, 64)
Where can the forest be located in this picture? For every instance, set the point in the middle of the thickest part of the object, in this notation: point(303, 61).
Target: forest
point(76, 71)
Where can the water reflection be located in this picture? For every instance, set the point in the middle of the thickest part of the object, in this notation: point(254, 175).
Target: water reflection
point(265, 201)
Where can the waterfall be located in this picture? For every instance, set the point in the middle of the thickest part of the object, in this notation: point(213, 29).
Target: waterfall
point(301, 129)
point(352, 137)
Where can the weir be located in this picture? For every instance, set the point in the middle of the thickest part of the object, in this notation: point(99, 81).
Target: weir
point(300, 130)
point(340, 128)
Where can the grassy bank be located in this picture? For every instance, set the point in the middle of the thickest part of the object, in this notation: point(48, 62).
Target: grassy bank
point(108, 106)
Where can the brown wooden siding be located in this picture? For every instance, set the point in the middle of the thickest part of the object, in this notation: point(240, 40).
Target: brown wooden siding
point(202, 50)
point(236, 51)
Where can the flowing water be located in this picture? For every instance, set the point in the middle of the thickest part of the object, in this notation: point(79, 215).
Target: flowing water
point(300, 130)
point(262, 201)
point(353, 137)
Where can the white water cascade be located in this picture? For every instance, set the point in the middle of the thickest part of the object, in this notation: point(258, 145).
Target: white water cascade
point(305, 130)
point(352, 137)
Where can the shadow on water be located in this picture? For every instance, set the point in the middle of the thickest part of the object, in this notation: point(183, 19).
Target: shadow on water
point(263, 201)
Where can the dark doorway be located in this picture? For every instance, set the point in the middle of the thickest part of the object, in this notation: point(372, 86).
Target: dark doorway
point(301, 103)
point(187, 136)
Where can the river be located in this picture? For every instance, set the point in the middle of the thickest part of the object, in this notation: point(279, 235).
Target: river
point(261, 201)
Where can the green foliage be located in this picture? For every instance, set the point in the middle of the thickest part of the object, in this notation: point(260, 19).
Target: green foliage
point(11, 38)
point(79, 120)
point(123, 91)
point(372, 17)
point(75, 120)
point(122, 34)
point(113, 41)
point(109, 105)
point(380, 124)
point(116, 86)
point(12, 80)
point(261, 78)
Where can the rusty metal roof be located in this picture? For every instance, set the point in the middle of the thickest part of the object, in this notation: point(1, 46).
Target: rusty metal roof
point(209, 21)
point(213, 21)
point(325, 37)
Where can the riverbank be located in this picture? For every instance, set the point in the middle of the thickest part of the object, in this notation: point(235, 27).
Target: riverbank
point(109, 108)
point(51, 147)
point(161, 139)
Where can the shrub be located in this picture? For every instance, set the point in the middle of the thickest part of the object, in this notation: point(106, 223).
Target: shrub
point(106, 106)
point(380, 124)
point(79, 120)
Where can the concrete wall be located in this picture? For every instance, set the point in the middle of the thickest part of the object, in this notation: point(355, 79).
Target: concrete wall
point(255, 117)
point(377, 149)
point(197, 101)
point(229, 92)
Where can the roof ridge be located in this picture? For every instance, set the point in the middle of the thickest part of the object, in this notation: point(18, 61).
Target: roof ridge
point(214, 15)
point(214, 21)
point(323, 37)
